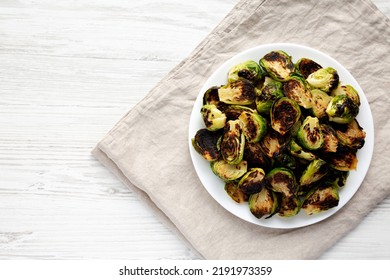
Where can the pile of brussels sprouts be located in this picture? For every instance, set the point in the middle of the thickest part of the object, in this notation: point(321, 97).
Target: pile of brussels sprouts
point(283, 136)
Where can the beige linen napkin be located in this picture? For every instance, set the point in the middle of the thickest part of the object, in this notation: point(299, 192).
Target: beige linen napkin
point(148, 148)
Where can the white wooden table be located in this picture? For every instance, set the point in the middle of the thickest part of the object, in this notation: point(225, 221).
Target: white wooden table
point(68, 71)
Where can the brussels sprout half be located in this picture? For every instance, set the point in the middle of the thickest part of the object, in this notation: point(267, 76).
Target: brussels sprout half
point(309, 134)
point(320, 101)
point(235, 192)
point(254, 126)
point(211, 96)
point(344, 159)
point(289, 206)
point(349, 91)
point(325, 79)
point(351, 135)
point(282, 180)
point(254, 155)
point(278, 65)
point(321, 199)
point(285, 113)
point(263, 203)
point(228, 172)
point(316, 170)
point(296, 88)
point(232, 143)
point(299, 152)
point(341, 109)
point(268, 94)
point(331, 142)
point(273, 144)
point(240, 92)
point(232, 112)
point(205, 143)
point(248, 70)
point(213, 118)
point(252, 181)
point(307, 66)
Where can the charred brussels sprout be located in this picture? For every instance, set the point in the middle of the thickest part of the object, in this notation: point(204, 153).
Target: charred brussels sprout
point(320, 101)
point(229, 172)
point(289, 206)
point(254, 126)
point(299, 152)
point(249, 70)
point(254, 155)
point(213, 118)
point(278, 65)
point(282, 180)
point(344, 159)
point(325, 79)
point(205, 143)
point(285, 113)
point(273, 143)
point(232, 143)
point(232, 112)
point(285, 160)
point(307, 66)
point(240, 92)
point(235, 192)
point(252, 181)
point(321, 199)
point(263, 203)
point(268, 94)
point(349, 91)
point(341, 109)
point(309, 134)
point(211, 96)
point(316, 170)
point(296, 88)
point(331, 142)
point(351, 135)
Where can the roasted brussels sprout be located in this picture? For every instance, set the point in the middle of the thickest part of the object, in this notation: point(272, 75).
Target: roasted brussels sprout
point(296, 88)
point(307, 66)
point(211, 96)
point(282, 180)
point(289, 206)
point(235, 192)
point(232, 143)
point(349, 91)
point(240, 92)
point(309, 134)
point(232, 112)
point(263, 203)
point(321, 199)
point(229, 172)
point(331, 142)
point(285, 113)
point(316, 170)
point(278, 65)
point(248, 70)
point(325, 79)
point(320, 101)
point(351, 135)
point(341, 109)
point(205, 143)
point(252, 181)
point(213, 118)
point(254, 126)
point(344, 159)
point(299, 152)
point(273, 143)
point(268, 94)
point(337, 177)
point(254, 155)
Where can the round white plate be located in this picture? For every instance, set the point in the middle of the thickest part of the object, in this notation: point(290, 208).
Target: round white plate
point(215, 186)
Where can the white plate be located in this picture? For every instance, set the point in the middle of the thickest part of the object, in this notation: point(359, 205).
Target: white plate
point(215, 186)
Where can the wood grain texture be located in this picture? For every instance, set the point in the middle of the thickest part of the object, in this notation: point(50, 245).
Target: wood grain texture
point(69, 70)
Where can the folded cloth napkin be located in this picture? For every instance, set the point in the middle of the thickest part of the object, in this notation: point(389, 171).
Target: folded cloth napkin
point(148, 148)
